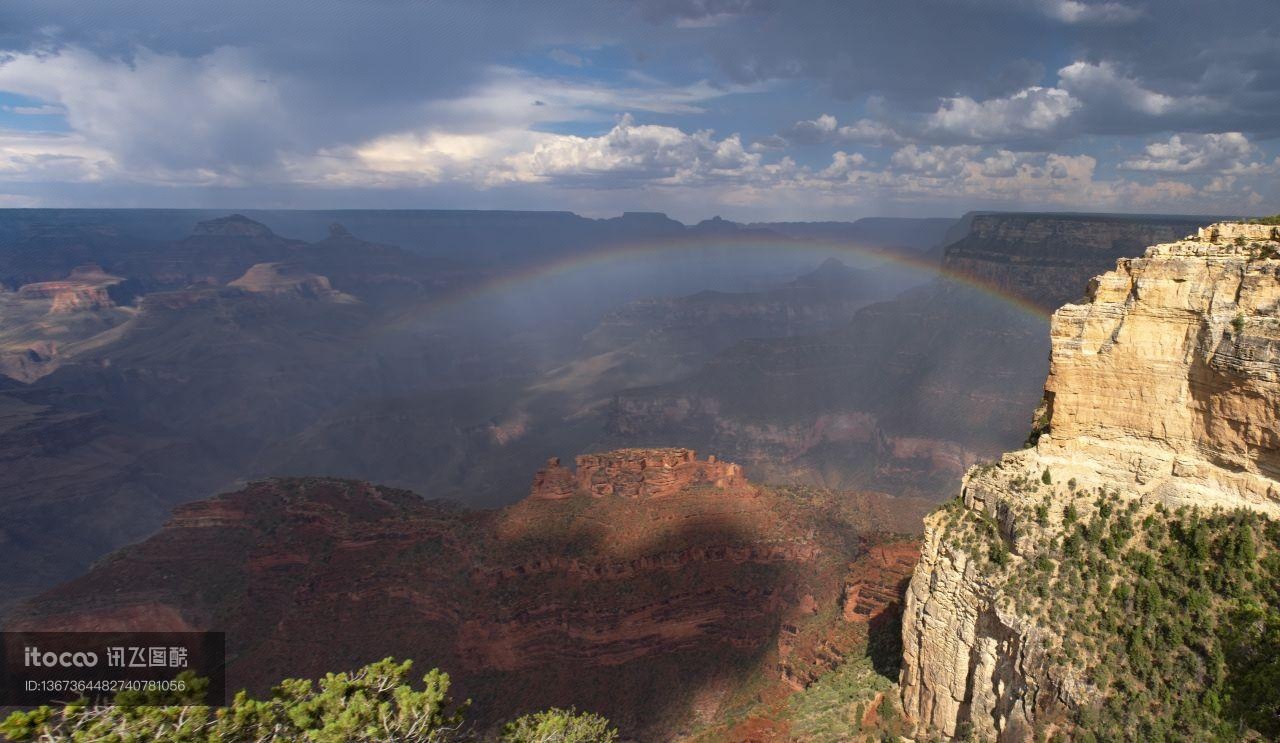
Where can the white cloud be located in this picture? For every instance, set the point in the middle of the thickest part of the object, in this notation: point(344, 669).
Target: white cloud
point(159, 115)
point(217, 120)
point(630, 151)
point(1102, 84)
point(825, 128)
point(1035, 110)
point(934, 161)
point(39, 156)
point(628, 155)
point(1225, 153)
point(844, 166)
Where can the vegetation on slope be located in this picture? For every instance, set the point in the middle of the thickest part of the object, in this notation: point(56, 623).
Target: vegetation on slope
point(1178, 632)
point(374, 703)
point(852, 702)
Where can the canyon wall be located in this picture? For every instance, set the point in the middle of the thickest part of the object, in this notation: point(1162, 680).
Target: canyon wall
point(1049, 258)
point(1162, 393)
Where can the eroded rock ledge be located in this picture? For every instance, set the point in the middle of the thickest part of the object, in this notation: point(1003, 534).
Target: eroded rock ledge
point(633, 473)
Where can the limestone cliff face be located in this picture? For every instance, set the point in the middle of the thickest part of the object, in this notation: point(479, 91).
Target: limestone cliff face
point(1163, 389)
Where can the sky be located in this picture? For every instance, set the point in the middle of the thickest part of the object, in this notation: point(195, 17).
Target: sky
point(749, 109)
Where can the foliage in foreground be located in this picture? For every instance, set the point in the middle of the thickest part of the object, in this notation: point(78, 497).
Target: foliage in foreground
point(375, 703)
point(559, 726)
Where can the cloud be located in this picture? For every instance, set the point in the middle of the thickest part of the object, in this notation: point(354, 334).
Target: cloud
point(701, 13)
point(566, 58)
point(844, 166)
point(1101, 84)
point(1075, 11)
point(629, 155)
point(934, 161)
point(481, 104)
point(1227, 153)
point(38, 156)
point(632, 152)
point(217, 119)
point(825, 129)
point(1035, 111)
point(41, 110)
point(158, 113)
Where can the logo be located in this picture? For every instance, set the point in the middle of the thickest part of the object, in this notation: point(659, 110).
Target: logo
point(33, 658)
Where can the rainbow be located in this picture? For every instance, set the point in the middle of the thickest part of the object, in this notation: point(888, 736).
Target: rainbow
point(497, 285)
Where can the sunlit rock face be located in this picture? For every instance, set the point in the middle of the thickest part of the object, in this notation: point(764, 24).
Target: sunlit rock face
point(1168, 378)
point(1163, 389)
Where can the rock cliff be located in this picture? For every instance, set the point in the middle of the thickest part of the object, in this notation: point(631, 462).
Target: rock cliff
point(1160, 405)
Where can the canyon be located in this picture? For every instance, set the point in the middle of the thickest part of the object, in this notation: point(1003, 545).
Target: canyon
point(1152, 463)
point(792, 362)
point(911, 391)
point(667, 592)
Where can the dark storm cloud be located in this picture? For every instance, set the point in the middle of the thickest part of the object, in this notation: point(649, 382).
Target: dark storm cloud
point(338, 94)
point(1220, 60)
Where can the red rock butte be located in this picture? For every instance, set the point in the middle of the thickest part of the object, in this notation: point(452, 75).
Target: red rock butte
point(633, 473)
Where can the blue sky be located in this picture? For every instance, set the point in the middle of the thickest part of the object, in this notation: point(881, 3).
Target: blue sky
point(752, 109)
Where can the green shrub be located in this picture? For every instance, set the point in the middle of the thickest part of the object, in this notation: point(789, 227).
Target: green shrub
point(559, 726)
point(375, 703)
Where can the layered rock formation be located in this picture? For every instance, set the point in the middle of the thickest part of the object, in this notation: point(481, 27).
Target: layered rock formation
point(630, 606)
point(1049, 258)
point(85, 289)
point(1161, 394)
point(47, 323)
point(288, 279)
point(634, 473)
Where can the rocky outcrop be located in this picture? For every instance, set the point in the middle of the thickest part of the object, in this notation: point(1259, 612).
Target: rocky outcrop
point(1161, 392)
point(629, 606)
point(1238, 231)
point(234, 225)
point(85, 289)
point(48, 323)
point(634, 473)
point(288, 279)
